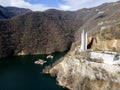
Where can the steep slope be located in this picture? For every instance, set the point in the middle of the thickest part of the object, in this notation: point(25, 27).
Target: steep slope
point(105, 17)
point(107, 39)
point(38, 32)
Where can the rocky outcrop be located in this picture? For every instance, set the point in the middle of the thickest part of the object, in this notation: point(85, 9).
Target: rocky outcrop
point(104, 17)
point(108, 39)
point(108, 45)
point(82, 74)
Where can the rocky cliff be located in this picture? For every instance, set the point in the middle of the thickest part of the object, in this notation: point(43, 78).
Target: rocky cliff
point(108, 45)
point(78, 73)
point(107, 39)
point(105, 17)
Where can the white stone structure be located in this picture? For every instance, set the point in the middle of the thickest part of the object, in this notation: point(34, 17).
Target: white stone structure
point(83, 41)
point(108, 58)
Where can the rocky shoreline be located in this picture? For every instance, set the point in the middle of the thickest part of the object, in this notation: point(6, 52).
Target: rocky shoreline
point(80, 74)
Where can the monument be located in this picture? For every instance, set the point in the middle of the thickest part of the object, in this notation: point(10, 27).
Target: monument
point(83, 41)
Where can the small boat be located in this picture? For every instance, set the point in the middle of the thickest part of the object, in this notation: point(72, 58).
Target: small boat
point(40, 61)
point(49, 57)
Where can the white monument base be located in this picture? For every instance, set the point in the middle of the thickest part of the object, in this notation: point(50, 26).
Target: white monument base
point(106, 57)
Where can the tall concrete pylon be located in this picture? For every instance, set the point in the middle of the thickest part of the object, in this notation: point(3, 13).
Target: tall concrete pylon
point(86, 39)
point(83, 41)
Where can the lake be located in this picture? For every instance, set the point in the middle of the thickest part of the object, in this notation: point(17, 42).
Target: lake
point(20, 73)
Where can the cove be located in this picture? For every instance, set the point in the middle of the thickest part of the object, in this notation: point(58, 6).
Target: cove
point(20, 73)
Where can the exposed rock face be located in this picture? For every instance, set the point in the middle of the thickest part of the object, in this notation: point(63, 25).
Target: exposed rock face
point(108, 39)
point(80, 74)
point(108, 45)
point(104, 17)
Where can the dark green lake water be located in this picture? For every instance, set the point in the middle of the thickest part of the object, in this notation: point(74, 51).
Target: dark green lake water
point(20, 73)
